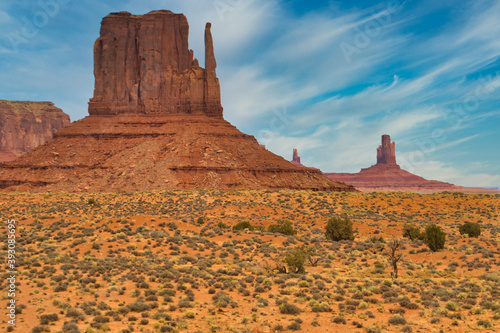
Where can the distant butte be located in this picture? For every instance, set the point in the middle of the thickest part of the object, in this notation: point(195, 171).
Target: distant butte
point(387, 175)
point(156, 123)
point(296, 160)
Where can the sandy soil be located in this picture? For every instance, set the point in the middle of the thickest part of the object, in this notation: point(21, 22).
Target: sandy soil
point(170, 261)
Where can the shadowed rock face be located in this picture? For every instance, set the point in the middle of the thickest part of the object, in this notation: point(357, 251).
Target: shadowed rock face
point(155, 124)
point(143, 65)
point(26, 125)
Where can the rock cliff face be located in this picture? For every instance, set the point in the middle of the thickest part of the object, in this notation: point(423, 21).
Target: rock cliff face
point(155, 123)
point(26, 125)
point(386, 175)
point(143, 65)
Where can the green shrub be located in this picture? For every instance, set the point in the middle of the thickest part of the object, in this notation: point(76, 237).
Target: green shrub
point(484, 323)
point(47, 318)
point(295, 258)
point(471, 229)
point(287, 308)
point(139, 306)
point(243, 225)
point(200, 220)
point(222, 225)
point(339, 320)
point(40, 329)
point(397, 319)
point(222, 300)
point(91, 201)
point(373, 329)
point(70, 327)
point(412, 232)
point(283, 227)
point(294, 326)
point(338, 229)
point(435, 237)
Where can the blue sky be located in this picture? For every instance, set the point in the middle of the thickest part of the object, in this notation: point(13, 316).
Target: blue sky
point(326, 77)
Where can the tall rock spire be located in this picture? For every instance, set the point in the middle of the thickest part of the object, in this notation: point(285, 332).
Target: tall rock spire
point(386, 152)
point(295, 157)
point(212, 88)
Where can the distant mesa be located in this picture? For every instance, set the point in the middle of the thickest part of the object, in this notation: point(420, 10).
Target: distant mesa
point(26, 125)
point(387, 175)
point(156, 122)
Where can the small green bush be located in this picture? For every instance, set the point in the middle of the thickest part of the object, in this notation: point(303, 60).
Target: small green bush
point(222, 225)
point(139, 306)
point(471, 229)
point(200, 220)
point(412, 232)
point(435, 237)
point(339, 320)
point(373, 329)
point(397, 319)
point(91, 201)
point(243, 225)
point(295, 258)
point(294, 326)
point(287, 308)
point(338, 229)
point(283, 227)
point(484, 323)
point(47, 318)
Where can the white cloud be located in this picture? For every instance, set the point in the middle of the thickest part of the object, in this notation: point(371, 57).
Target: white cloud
point(5, 18)
point(462, 176)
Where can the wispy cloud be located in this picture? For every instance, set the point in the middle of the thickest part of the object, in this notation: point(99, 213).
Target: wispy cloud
point(405, 79)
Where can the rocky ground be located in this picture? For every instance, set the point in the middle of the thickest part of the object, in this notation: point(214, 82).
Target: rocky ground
point(170, 261)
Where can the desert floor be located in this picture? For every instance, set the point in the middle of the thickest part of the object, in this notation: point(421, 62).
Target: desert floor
point(170, 262)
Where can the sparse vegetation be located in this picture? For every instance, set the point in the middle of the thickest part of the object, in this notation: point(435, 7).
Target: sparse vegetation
point(143, 262)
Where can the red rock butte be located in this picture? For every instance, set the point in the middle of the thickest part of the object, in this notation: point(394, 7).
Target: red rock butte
point(296, 160)
point(387, 175)
point(155, 123)
point(26, 125)
point(143, 65)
